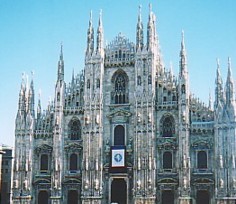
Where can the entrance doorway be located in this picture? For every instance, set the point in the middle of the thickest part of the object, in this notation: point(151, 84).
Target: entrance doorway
point(72, 197)
point(119, 191)
point(203, 197)
point(43, 197)
point(167, 197)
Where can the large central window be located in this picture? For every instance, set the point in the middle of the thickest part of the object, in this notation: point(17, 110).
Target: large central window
point(74, 129)
point(167, 126)
point(120, 91)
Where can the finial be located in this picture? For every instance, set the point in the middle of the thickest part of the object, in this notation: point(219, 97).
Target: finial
point(218, 62)
point(61, 54)
point(210, 100)
point(139, 13)
point(100, 18)
point(91, 15)
point(150, 7)
point(183, 44)
point(182, 35)
point(73, 75)
point(229, 69)
point(40, 93)
point(150, 12)
point(32, 73)
point(229, 62)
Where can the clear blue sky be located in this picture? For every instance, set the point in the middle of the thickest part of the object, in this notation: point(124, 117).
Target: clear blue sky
point(31, 32)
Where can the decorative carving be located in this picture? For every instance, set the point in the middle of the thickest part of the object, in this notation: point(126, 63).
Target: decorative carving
point(43, 148)
point(221, 183)
point(167, 143)
point(221, 161)
point(119, 116)
point(74, 147)
point(202, 143)
point(119, 52)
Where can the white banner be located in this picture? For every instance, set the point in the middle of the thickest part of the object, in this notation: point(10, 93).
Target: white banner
point(118, 158)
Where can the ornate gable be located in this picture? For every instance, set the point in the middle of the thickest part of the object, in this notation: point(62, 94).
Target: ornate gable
point(119, 116)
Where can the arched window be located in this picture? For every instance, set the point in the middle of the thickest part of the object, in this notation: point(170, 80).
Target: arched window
point(88, 84)
point(139, 80)
point(119, 135)
point(167, 160)
point(120, 82)
point(183, 89)
point(72, 197)
point(202, 160)
point(74, 130)
point(73, 162)
point(44, 162)
point(149, 79)
point(98, 83)
point(43, 197)
point(167, 126)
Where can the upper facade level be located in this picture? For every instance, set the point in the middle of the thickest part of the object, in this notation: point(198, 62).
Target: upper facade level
point(120, 52)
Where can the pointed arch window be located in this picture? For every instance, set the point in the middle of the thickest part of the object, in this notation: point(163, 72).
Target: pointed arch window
point(167, 160)
point(120, 92)
point(88, 84)
point(119, 135)
point(44, 162)
point(98, 83)
point(167, 126)
point(149, 79)
point(183, 89)
point(139, 80)
point(202, 160)
point(74, 130)
point(73, 162)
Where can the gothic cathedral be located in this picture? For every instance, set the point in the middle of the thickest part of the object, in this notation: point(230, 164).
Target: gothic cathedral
point(126, 130)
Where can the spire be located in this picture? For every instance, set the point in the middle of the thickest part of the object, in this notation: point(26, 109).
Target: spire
point(100, 34)
point(22, 97)
point(229, 84)
point(31, 96)
point(73, 78)
point(139, 33)
point(60, 74)
point(219, 85)
point(210, 101)
point(150, 29)
point(183, 57)
point(39, 110)
point(90, 37)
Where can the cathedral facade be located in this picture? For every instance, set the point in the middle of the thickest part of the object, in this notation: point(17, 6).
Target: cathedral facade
point(126, 130)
